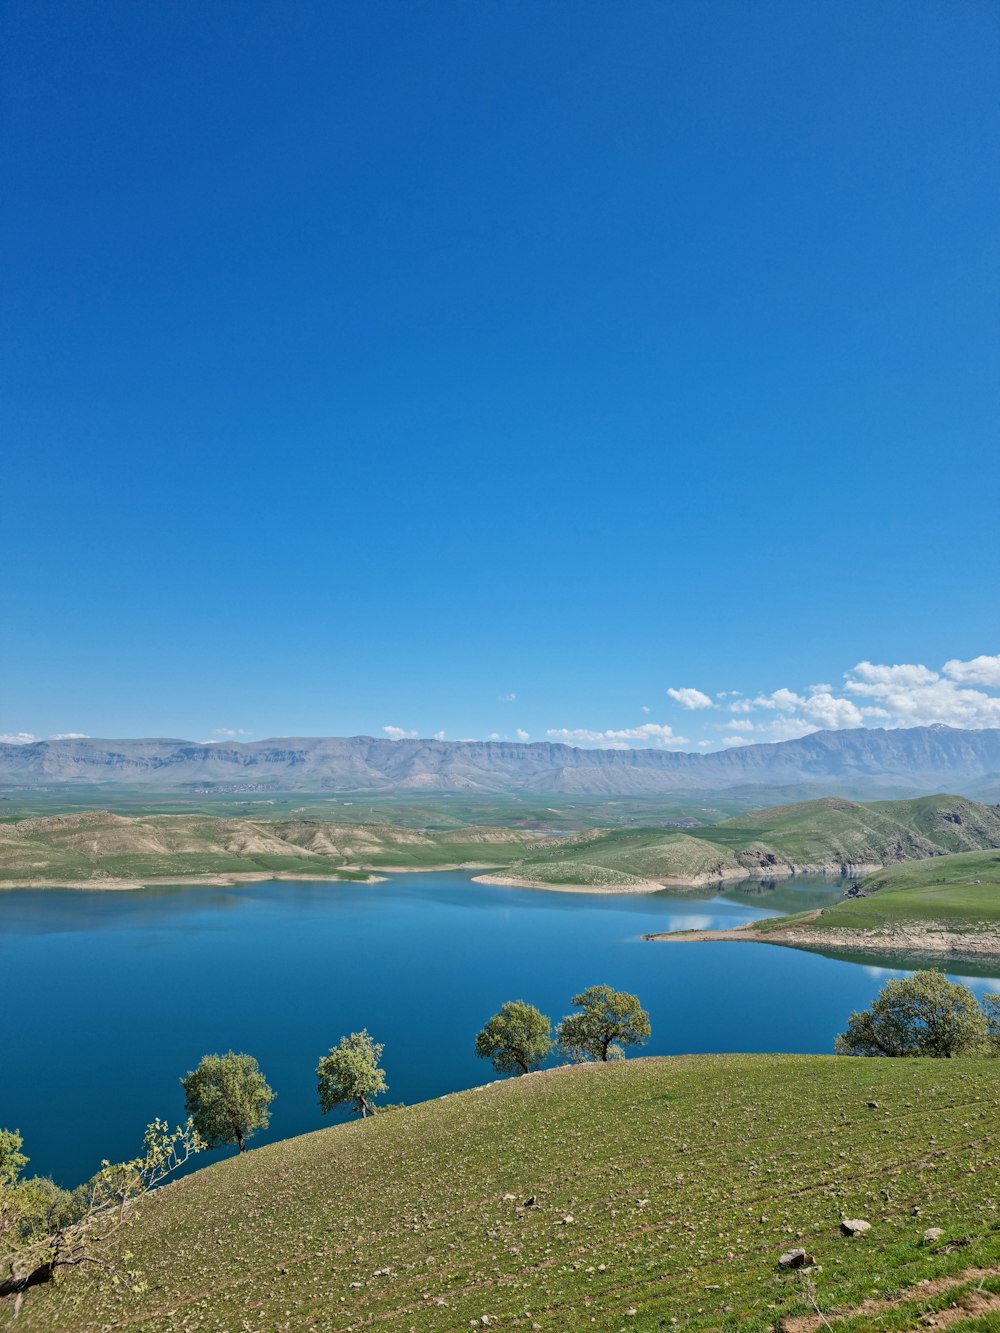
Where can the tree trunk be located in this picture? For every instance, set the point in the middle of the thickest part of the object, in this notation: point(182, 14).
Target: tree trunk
point(241, 1141)
point(15, 1286)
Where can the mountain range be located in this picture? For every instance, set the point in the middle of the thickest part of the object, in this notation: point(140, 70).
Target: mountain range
point(905, 761)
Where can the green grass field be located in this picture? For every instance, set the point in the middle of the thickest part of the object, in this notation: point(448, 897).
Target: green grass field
point(664, 1191)
point(434, 811)
point(960, 892)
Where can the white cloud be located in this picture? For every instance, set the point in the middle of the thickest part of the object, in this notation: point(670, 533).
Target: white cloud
point(911, 695)
point(522, 735)
point(495, 736)
point(902, 694)
point(439, 735)
point(703, 745)
point(979, 671)
point(507, 698)
point(906, 675)
point(646, 708)
point(398, 734)
point(690, 698)
point(70, 736)
point(229, 732)
point(735, 740)
point(831, 713)
point(783, 699)
point(789, 729)
point(17, 738)
point(617, 739)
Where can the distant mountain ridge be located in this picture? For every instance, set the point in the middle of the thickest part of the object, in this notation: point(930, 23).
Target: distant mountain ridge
point(918, 758)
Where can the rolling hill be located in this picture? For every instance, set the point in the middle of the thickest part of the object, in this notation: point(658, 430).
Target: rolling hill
point(829, 836)
point(644, 1194)
point(98, 848)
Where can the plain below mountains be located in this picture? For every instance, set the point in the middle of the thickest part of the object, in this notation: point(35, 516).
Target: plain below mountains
point(899, 762)
point(101, 849)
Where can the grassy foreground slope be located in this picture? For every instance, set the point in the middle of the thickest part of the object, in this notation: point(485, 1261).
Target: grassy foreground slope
point(101, 848)
point(663, 1192)
point(826, 835)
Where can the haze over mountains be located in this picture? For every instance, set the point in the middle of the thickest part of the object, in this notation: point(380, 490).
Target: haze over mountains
point(906, 760)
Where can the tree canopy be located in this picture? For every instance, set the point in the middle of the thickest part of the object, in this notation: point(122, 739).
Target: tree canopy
point(45, 1230)
point(351, 1073)
point(228, 1099)
point(925, 1014)
point(517, 1039)
point(610, 1020)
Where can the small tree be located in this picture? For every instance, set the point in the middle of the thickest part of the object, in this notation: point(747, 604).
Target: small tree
point(228, 1099)
point(45, 1230)
point(611, 1020)
point(517, 1039)
point(925, 1014)
point(351, 1073)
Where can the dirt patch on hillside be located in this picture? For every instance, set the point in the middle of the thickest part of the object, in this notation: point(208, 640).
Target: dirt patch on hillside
point(972, 1304)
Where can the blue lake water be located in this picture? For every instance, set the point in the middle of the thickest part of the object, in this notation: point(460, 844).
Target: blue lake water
point(106, 999)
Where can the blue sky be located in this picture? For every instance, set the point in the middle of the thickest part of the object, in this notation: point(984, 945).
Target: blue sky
point(365, 365)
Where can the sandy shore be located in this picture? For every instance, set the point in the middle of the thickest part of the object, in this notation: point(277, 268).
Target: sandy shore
point(111, 885)
point(513, 882)
point(908, 937)
point(230, 878)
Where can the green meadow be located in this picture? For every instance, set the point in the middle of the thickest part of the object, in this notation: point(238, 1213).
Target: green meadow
point(646, 1194)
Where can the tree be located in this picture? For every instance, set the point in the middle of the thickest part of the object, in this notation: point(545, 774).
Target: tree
point(611, 1019)
point(517, 1039)
point(925, 1014)
point(228, 1099)
point(351, 1073)
point(44, 1229)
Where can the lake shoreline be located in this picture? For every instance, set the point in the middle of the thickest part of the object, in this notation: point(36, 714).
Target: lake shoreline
point(908, 938)
point(229, 879)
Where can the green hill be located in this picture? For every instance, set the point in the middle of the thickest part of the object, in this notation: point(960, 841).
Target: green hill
point(830, 835)
point(960, 892)
point(944, 907)
point(645, 1194)
point(100, 848)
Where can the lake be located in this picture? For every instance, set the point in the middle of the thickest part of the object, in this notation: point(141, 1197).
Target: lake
point(107, 999)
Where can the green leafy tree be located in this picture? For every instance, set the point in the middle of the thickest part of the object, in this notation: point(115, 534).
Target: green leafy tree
point(925, 1014)
point(45, 1230)
point(351, 1073)
point(517, 1039)
point(610, 1020)
point(228, 1099)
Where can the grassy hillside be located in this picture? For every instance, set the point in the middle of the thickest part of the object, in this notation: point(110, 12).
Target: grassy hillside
point(960, 892)
point(663, 1193)
point(945, 907)
point(829, 834)
point(98, 846)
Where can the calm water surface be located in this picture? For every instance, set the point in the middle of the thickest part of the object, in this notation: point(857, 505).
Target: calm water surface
point(106, 999)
